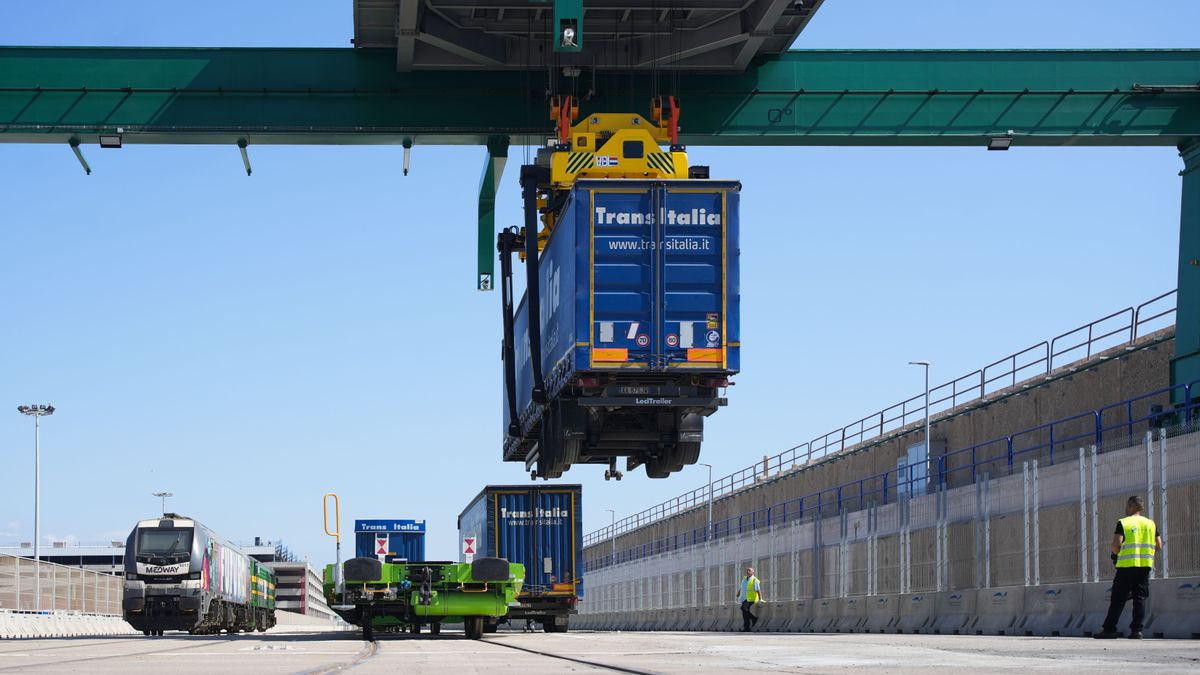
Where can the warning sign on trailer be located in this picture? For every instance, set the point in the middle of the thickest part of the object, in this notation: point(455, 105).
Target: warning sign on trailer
point(381, 545)
point(469, 548)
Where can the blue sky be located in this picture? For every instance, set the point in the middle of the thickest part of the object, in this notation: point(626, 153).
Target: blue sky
point(251, 343)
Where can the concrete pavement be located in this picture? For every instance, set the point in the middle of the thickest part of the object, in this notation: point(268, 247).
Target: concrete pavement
point(526, 654)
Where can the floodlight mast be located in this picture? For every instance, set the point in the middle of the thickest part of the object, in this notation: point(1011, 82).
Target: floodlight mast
point(37, 412)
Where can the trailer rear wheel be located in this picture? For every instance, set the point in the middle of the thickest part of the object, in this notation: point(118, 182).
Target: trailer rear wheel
point(555, 624)
point(474, 627)
point(435, 628)
point(658, 467)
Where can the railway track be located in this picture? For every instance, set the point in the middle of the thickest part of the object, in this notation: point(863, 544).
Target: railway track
point(58, 665)
point(562, 657)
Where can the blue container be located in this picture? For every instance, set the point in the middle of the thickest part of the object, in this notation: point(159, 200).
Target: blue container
point(538, 526)
point(405, 539)
point(639, 311)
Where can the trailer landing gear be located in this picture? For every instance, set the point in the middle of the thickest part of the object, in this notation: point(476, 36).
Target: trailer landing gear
point(612, 472)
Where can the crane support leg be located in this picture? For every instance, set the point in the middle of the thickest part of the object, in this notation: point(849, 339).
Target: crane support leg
point(530, 175)
point(493, 169)
point(1185, 367)
point(508, 243)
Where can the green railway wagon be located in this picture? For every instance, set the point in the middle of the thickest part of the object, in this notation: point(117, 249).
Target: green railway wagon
point(394, 597)
point(262, 596)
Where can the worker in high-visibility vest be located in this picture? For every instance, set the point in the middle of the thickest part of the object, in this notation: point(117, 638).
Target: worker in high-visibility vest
point(749, 593)
point(1134, 543)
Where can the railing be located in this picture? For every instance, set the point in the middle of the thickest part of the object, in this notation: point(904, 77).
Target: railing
point(1120, 328)
point(61, 587)
point(1047, 443)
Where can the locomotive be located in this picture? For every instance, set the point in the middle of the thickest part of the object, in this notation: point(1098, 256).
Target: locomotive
point(180, 575)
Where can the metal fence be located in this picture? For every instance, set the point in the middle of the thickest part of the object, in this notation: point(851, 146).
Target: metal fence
point(62, 587)
point(1121, 328)
point(1040, 525)
point(1116, 425)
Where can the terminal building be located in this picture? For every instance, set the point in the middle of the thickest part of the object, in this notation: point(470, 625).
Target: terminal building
point(297, 585)
point(109, 558)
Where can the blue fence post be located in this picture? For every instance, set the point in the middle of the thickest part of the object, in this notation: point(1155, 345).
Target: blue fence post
point(1129, 420)
point(1099, 436)
point(1052, 444)
point(1010, 455)
point(973, 476)
point(885, 486)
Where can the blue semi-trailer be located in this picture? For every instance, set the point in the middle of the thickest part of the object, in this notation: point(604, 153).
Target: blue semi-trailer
point(637, 329)
point(390, 540)
point(541, 527)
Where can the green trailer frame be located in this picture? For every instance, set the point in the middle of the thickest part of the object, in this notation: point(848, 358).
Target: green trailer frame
point(398, 597)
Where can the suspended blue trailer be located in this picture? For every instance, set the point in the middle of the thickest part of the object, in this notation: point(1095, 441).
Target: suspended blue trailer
point(637, 332)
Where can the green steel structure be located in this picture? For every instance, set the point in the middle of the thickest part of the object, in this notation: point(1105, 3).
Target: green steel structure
point(247, 97)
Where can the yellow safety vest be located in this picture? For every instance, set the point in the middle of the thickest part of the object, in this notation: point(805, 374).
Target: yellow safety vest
point(748, 592)
point(1138, 547)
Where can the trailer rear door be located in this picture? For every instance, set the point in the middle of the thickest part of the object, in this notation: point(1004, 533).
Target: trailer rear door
point(659, 284)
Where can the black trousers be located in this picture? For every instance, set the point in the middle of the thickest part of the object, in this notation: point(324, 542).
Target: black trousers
point(1130, 581)
point(748, 619)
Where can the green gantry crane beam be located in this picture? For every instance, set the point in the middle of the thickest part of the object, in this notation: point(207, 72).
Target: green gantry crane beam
point(332, 96)
point(865, 98)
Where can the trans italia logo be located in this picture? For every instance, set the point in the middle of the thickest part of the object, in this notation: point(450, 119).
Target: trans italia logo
point(697, 216)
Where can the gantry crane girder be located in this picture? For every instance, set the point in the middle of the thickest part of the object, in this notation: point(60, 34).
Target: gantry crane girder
point(609, 35)
point(829, 97)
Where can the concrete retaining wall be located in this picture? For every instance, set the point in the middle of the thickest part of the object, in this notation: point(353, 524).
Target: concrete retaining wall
point(1051, 610)
point(1106, 378)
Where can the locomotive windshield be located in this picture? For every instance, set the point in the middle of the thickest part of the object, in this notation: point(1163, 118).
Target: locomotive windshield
point(164, 541)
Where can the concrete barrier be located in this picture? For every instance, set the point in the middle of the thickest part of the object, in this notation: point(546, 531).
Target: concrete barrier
point(694, 619)
point(954, 612)
point(666, 619)
point(914, 612)
point(800, 619)
point(998, 610)
point(772, 616)
point(645, 619)
point(1094, 607)
point(728, 618)
point(881, 614)
point(852, 612)
point(292, 622)
point(19, 624)
point(825, 615)
point(1174, 608)
point(1052, 610)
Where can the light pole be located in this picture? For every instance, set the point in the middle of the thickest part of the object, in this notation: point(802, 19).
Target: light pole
point(612, 534)
point(708, 530)
point(163, 496)
point(928, 447)
point(37, 412)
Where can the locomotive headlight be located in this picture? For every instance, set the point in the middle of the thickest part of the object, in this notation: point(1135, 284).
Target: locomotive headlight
point(194, 576)
point(131, 576)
